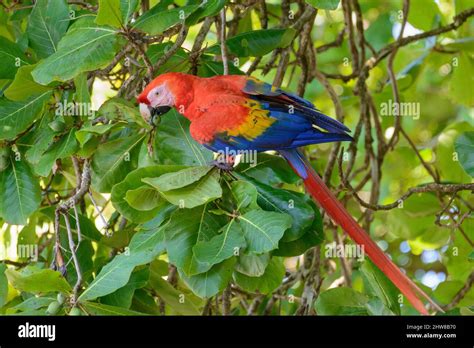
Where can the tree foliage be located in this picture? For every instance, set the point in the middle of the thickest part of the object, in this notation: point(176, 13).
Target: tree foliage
point(106, 213)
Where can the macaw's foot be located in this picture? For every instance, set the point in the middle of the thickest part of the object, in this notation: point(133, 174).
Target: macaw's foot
point(225, 163)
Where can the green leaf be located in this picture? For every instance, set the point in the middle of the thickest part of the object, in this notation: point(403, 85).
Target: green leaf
point(127, 7)
point(263, 230)
point(11, 57)
point(211, 282)
point(117, 109)
point(143, 198)
point(65, 147)
point(324, 4)
point(109, 13)
point(461, 44)
point(41, 139)
point(123, 297)
point(20, 193)
point(456, 258)
point(37, 280)
point(252, 265)
point(201, 192)
point(17, 116)
point(447, 159)
point(381, 286)
point(143, 248)
point(206, 8)
point(47, 24)
point(297, 247)
point(82, 89)
point(435, 238)
point(270, 169)
point(257, 43)
point(93, 308)
point(23, 86)
point(313, 236)
point(32, 303)
point(422, 14)
point(85, 47)
point(376, 306)
point(446, 291)
point(289, 202)
point(145, 303)
point(157, 20)
point(420, 207)
point(85, 133)
point(266, 283)
point(341, 301)
point(185, 229)
point(245, 195)
point(464, 146)
point(226, 244)
point(179, 179)
point(172, 297)
point(3, 285)
point(462, 80)
point(174, 145)
point(113, 160)
point(133, 181)
point(208, 68)
point(379, 32)
point(178, 62)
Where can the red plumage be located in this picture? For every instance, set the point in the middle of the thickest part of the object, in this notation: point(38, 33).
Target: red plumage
point(244, 113)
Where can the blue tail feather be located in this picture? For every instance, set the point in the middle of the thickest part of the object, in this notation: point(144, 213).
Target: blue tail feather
point(295, 158)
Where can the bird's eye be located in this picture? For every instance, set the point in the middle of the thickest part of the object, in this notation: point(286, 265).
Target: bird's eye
point(157, 93)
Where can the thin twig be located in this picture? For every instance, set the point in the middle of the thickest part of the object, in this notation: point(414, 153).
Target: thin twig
point(461, 293)
point(72, 248)
point(226, 296)
point(102, 218)
point(173, 49)
point(225, 59)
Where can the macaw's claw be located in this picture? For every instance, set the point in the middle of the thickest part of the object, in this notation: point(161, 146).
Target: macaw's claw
point(225, 164)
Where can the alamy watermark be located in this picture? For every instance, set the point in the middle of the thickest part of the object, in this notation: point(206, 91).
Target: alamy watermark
point(334, 250)
point(409, 109)
point(246, 156)
point(22, 251)
point(28, 330)
point(66, 108)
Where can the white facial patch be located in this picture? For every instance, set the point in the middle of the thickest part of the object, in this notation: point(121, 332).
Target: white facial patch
point(144, 111)
point(160, 96)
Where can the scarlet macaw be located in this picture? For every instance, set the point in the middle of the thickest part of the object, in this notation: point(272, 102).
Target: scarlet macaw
point(236, 112)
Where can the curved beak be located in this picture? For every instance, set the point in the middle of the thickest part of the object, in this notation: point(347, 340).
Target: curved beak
point(158, 111)
point(149, 113)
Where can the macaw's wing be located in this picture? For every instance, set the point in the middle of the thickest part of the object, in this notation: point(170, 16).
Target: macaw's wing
point(277, 99)
point(248, 124)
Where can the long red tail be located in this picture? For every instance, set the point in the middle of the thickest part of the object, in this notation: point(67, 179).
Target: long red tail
point(325, 198)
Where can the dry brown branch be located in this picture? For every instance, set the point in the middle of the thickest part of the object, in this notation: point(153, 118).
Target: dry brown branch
point(461, 293)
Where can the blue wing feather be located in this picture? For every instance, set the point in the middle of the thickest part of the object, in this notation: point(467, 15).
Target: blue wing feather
point(277, 99)
point(296, 123)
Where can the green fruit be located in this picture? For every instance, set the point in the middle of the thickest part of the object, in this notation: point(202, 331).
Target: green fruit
point(156, 120)
point(75, 311)
point(57, 126)
point(61, 298)
point(53, 308)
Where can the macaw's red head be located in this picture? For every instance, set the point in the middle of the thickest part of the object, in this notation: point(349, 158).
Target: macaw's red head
point(163, 93)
